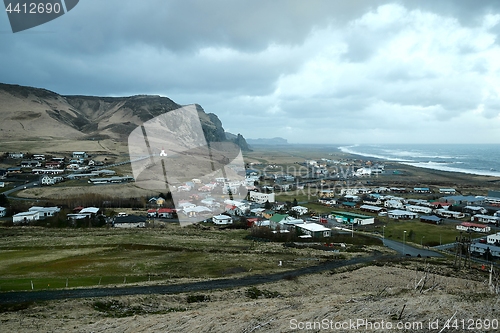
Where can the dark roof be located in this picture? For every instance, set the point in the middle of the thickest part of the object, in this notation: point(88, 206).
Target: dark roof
point(432, 218)
point(130, 219)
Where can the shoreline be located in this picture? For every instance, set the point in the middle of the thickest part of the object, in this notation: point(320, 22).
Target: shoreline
point(430, 165)
point(405, 175)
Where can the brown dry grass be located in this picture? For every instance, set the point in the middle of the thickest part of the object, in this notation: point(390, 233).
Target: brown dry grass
point(371, 293)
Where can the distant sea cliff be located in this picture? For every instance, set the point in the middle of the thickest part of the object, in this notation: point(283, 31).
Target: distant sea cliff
point(277, 141)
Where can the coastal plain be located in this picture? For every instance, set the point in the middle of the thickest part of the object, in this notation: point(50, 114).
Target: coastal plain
point(397, 291)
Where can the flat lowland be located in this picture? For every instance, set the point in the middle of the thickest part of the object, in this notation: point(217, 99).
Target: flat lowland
point(63, 191)
point(417, 296)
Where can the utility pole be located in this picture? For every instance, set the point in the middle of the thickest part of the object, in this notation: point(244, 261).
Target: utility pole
point(404, 241)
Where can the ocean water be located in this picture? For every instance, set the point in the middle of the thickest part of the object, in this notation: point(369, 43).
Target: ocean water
point(479, 159)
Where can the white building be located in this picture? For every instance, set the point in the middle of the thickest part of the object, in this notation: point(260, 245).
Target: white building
point(46, 180)
point(129, 221)
point(79, 154)
point(314, 230)
point(301, 210)
point(3, 211)
point(449, 214)
point(418, 209)
point(485, 218)
point(394, 204)
point(25, 217)
point(401, 215)
point(363, 172)
point(45, 211)
point(222, 219)
point(492, 239)
point(261, 198)
point(447, 191)
point(467, 226)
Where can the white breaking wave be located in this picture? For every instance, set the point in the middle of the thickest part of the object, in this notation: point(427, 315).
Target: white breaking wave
point(349, 150)
point(444, 167)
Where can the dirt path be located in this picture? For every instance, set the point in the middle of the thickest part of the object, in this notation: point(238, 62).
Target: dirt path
point(21, 297)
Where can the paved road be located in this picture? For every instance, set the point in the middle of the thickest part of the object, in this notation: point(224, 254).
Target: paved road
point(46, 295)
point(410, 250)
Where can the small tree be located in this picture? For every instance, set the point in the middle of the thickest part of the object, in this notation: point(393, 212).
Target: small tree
point(267, 205)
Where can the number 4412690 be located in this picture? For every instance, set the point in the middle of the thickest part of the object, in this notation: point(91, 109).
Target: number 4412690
point(34, 8)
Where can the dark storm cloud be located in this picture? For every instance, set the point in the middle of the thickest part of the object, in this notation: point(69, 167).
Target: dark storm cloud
point(286, 67)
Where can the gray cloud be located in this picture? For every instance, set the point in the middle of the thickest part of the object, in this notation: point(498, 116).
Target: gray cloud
point(286, 67)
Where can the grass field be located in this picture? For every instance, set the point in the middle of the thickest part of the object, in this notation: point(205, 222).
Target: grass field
point(52, 258)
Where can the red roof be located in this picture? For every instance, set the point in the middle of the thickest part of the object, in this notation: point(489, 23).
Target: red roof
point(166, 210)
point(442, 204)
point(151, 210)
point(475, 225)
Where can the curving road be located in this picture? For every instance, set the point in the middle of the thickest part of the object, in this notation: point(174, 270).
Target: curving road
point(47, 295)
point(406, 249)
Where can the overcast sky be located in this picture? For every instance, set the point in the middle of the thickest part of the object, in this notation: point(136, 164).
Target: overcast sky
point(308, 71)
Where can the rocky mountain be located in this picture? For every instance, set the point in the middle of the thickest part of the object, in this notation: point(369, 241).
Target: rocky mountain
point(238, 140)
point(272, 141)
point(29, 113)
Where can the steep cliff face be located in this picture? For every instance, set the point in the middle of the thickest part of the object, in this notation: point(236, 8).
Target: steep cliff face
point(33, 113)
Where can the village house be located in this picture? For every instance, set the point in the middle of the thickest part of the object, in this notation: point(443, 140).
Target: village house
point(79, 155)
point(46, 180)
point(45, 211)
point(261, 197)
point(25, 217)
point(90, 211)
point(467, 226)
point(418, 209)
point(31, 164)
point(468, 200)
point(480, 249)
point(327, 201)
point(401, 215)
point(474, 210)
point(493, 239)
point(371, 200)
point(152, 213)
point(156, 201)
point(196, 210)
point(3, 211)
point(398, 189)
point(164, 213)
point(451, 191)
point(129, 221)
point(16, 156)
point(421, 190)
point(301, 210)
point(432, 219)
point(397, 204)
point(351, 218)
point(440, 204)
point(312, 230)
point(222, 219)
point(485, 218)
point(257, 211)
point(449, 214)
point(326, 193)
point(371, 209)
